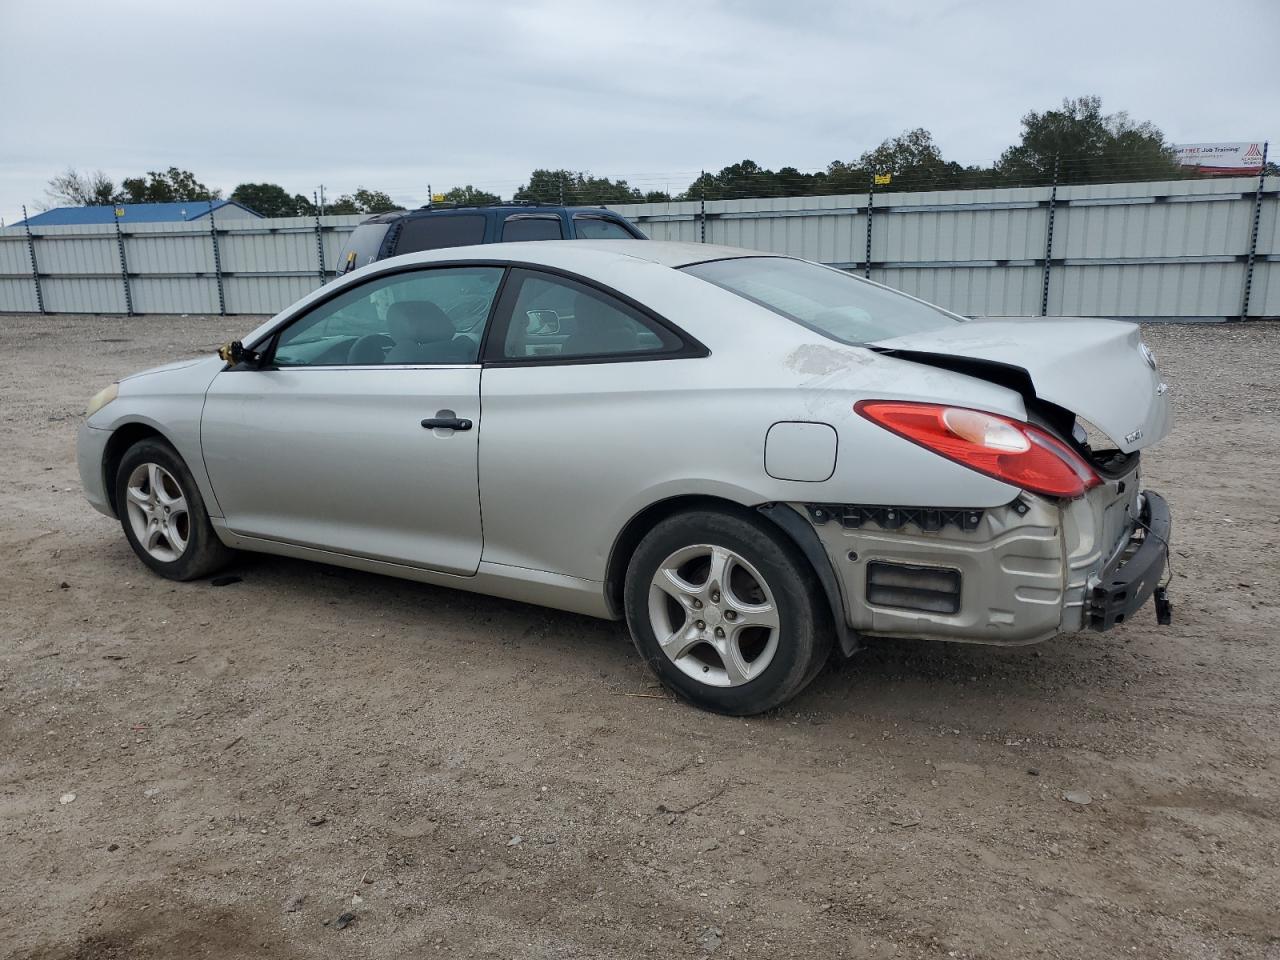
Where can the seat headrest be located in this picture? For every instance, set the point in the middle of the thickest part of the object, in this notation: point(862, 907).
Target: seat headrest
point(418, 321)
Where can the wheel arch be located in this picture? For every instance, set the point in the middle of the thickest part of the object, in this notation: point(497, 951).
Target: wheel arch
point(123, 437)
point(782, 517)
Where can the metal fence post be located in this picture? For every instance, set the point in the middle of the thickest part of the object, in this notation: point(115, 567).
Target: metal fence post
point(319, 246)
point(1048, 241)
point(31, 252)
point(124, 267)
point(1253, 237)
point(871, 205)
point(702, 208)
point(217, 263)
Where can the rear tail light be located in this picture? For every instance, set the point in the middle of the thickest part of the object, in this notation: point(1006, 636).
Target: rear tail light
point(1008, 450)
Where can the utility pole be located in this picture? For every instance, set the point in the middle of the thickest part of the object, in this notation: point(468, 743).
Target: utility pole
point(320, 201)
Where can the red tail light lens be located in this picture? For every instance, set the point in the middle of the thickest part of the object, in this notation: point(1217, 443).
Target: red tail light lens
point(1011, 451)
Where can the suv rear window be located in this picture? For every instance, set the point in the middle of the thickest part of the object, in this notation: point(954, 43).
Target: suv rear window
point(532, 228)
point(599, 228)
point(432, 233)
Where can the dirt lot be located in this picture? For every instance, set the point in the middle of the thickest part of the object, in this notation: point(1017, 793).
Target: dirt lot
point(249, 762)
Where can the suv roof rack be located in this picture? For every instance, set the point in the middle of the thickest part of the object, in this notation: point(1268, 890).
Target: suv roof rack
point(453, 205)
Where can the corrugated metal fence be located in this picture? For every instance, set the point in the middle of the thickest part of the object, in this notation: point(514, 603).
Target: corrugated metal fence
point(1169, 250)
point(227, 266)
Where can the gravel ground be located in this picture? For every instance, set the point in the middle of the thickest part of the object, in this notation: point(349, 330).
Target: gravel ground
point(472, 777)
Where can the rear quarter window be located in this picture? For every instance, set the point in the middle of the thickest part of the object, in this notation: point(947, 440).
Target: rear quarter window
point(599, 228)
point(433, 233)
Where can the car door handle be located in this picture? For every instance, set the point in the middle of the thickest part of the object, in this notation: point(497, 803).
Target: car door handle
point(447, 423)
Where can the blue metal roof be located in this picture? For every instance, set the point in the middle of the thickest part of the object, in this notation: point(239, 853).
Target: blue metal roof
point(133, 213)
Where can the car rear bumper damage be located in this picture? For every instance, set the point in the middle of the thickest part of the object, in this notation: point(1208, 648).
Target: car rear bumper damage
point(1131, 578)
point(1010, 575)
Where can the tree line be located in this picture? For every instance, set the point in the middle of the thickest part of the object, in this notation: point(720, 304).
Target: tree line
point(1077, 143)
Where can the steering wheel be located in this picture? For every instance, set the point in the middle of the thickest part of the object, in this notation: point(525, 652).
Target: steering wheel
point(369, 349)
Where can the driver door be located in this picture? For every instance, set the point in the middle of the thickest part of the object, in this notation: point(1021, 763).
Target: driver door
point(358, 432)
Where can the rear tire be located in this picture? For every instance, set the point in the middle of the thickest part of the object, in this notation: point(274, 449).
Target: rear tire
point(726, 611)
point(163, 515)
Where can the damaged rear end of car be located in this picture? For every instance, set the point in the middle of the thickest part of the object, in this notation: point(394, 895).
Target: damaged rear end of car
point(1080, 545)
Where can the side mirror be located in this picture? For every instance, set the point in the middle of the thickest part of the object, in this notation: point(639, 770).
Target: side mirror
point(235, 354)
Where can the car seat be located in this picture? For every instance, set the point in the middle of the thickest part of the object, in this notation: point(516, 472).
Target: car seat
point(423, 333)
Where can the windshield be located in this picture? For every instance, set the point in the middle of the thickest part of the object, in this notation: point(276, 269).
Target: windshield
point(834, 303)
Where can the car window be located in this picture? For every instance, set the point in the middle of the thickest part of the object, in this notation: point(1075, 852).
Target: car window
point(532, 228)
point(424, 316)
point(598, 228)
point(560, 318)
point(832, 302)
point(435, 232)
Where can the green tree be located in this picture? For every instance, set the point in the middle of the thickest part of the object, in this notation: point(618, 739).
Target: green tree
point(748, 179)
point(171, 186)
point(270, 200)
point(1092, 147)
point(469, 196)
point(363, 201)
point(844, 177)
point(74, 189)
point(913, 161)
point(576, 188)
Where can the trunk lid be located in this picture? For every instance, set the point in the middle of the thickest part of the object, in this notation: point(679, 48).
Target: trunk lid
point(1097, 369)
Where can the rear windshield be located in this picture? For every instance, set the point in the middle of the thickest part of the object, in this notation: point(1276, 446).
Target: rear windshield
point(835, 304)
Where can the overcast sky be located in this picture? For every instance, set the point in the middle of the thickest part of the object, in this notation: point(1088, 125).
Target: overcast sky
point(399, 95)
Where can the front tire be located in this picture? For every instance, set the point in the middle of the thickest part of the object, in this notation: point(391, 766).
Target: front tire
point(163, 514)
point(726, 612)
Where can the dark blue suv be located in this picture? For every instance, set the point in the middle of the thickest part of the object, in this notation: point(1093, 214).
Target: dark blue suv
point(430, 228)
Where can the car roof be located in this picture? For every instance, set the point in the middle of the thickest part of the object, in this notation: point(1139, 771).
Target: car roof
point(500, 208)
point(569, 254)
point(668, 253)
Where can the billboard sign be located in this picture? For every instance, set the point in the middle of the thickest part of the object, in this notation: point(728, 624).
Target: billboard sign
point(1240, 159)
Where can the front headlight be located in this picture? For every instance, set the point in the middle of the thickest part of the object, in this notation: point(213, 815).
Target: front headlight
point(101, 399)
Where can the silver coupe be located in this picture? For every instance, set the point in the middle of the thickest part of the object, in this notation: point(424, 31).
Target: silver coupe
point(752, 459)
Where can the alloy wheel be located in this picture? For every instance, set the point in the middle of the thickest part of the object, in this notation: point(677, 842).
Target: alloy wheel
point(158, 514)
point(714, 615)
